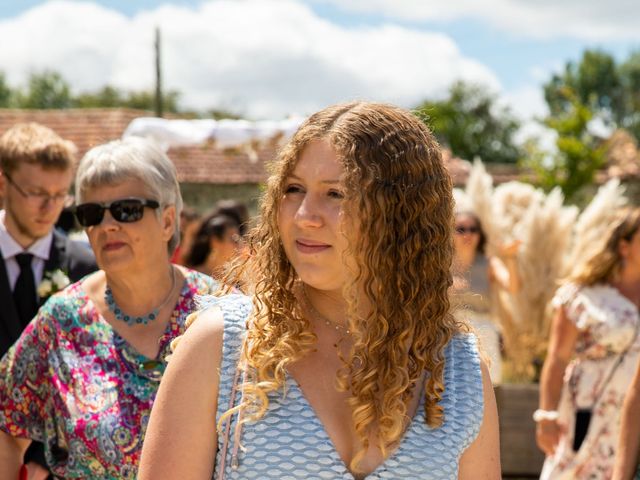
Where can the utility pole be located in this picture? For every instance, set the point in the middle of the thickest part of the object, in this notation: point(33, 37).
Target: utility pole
point(158, 75)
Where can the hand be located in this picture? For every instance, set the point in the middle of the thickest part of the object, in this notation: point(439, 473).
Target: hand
point(509, 250)
point(36, 471)
point(548, 434)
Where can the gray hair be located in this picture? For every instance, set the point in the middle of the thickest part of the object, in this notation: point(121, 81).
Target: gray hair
point(121, 160)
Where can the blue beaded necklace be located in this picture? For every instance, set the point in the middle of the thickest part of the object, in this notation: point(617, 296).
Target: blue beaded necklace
point(128, 319)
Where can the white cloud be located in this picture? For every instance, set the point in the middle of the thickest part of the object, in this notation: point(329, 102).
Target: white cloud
point(528, 105)
point(543, 72)
point(544, 136)
point(265, 58)
point(80, 40)
point(526, 102)
point(593, 20)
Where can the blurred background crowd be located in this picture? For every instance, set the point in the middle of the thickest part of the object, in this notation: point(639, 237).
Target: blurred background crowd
point(546, 267)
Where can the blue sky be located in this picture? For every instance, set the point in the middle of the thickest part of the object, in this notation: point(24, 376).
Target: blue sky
point(294, 56)
point(510, 55)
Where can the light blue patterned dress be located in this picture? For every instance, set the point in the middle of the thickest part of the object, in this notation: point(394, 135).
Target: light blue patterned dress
point(290, 442)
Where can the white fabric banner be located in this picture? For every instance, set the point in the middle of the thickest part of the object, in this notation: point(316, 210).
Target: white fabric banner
point(225, 133)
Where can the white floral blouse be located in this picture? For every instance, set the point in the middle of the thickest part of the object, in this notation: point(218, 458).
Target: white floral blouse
point(608, 324)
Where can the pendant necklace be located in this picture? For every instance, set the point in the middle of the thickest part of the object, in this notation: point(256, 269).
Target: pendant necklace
point(338, 328)
point(133, 320)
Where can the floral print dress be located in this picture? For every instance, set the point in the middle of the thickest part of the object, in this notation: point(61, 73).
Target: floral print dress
point(71, 382)
point(607, 322)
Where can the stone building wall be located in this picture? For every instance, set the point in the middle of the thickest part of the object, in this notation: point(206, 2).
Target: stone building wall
point(202, 197)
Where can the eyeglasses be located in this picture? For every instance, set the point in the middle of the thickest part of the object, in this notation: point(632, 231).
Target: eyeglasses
point(126, 210)
point(462, 230)
point(40, 198)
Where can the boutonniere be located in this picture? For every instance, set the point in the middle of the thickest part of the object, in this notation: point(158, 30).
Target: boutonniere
point(52, 281)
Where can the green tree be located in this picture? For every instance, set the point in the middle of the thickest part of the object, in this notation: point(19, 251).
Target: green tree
point(594, 80)
point(610, 90)
point(5, 92)
point(472, 125)
point(630, 77)
point(46, 90)
point(145, 100)
point(220, 114)
point(106, 97)
point(111, 97)
point(579, 155)
point(49, 90)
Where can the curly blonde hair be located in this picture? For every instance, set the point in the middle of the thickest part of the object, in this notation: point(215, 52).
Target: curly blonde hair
point(400, 193)
point(604, 262)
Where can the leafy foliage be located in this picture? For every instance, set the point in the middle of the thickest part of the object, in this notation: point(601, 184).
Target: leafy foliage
point(630, 78)
point(610, 90)
point(46, 90)
point(49, 90)
point(472, 125)
point(579, 154)
point(5, 92)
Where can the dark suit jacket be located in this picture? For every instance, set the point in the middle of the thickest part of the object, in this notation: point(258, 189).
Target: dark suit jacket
point(73, 258)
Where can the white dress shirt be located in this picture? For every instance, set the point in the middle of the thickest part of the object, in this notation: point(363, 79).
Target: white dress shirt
point(10, 248)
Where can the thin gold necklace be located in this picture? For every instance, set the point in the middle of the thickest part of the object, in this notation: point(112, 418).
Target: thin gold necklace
point(309, 306)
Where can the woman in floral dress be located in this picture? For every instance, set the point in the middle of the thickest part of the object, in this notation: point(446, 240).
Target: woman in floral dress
point(84, 374)
point(629, 441)
point(593, 353)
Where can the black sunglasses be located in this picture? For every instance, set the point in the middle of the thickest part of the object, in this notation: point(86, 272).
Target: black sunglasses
point(463, 230)
point(126, 210)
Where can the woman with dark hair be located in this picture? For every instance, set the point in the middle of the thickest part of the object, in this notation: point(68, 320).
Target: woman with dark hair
point(345, 362)
point(215, 244)
point(189, 223)
point(475, 274)
point(236, 210)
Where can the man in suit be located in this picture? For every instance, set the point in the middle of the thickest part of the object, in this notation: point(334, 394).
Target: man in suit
point(36, 170)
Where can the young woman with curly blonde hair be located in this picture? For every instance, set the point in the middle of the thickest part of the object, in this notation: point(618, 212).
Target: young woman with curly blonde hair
point(345, 362)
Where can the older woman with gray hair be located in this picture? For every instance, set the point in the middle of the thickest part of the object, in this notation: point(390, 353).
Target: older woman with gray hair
point(84, 374)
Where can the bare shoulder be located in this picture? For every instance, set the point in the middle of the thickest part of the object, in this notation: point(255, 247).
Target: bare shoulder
point(201, 346)
point(203, 335)
point(488, 393)
point(221, 320)
point(181, 437)
point(482, 459)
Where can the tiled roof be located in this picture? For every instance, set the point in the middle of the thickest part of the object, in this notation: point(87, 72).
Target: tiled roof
point(206, 164)
point(89, 127)
point(84, 127)
point(460, 170)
